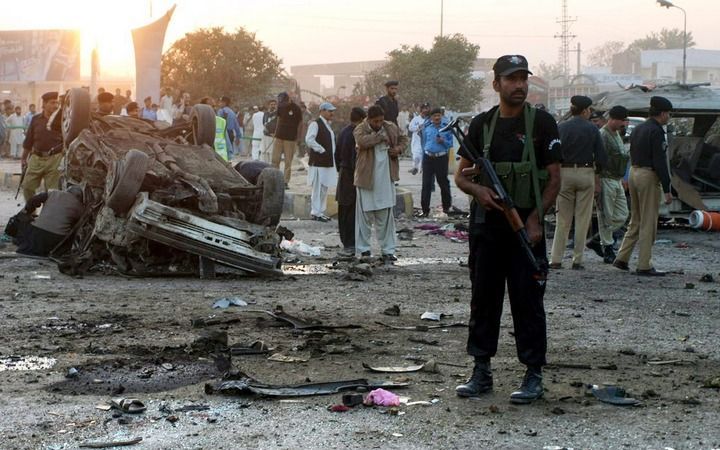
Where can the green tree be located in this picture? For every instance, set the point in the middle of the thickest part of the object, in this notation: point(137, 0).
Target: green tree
point(664, 40)
point(549, 71)
point(212, 62)
point(441, 75)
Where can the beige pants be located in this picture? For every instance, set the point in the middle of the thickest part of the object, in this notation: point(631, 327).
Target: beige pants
point(577, 190)
point(287, 150)
point(39, 169)
point(614, 209)
point(645, 192)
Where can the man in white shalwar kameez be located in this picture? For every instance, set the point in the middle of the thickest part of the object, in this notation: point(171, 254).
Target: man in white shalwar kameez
point(415, 127)
point(322, 175)
point(15, 125)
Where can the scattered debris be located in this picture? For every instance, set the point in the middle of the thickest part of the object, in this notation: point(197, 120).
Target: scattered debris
point(298, 247)
point(435, 317)
point(430, 366)
point(339, 408)
point(108, 444)
point(247, 386)
point(128, 405)
point(422, 327)
point(405, 234)
point(713, 383)
point(361, 268)
point(614, 395)
point(707, 278)
point(423, 341)
point(381, 397)
point(689, 285)
point(670, 362)
point(255, 348)
point(226, 302)
point(352, 400)
point(564, 365)
point(288, 359)
point(352, 276)
point(394, 310)
point(72, 373)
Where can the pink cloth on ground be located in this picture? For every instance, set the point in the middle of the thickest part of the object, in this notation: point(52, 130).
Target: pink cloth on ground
point(381, 397)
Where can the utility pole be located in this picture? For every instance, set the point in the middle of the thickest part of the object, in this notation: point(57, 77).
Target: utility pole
point(579, 52)
point(442, 11)
point(668, 4)
point(565, 38)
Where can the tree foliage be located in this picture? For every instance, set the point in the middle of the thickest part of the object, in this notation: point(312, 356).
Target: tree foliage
point(603, 54)
point(549, 71)
point(212, 62)
point(441, 75)
point(664, 40)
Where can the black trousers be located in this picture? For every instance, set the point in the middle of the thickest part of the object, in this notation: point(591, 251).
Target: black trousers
point(435, 169)
point(38, 242)
point(496, 258)
point(346, 198)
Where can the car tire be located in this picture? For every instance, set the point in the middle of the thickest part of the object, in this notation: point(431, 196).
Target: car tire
point(272, 182)
point(75, 114)
point(202, 118)
point(129, 180)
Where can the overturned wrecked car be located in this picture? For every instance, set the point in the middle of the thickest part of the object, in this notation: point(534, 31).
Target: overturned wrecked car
point(693, 140)
point(160, 201)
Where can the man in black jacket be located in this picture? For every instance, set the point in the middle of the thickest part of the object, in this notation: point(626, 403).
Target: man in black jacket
point(345, 155)
point(289, 116)
point(389, 102)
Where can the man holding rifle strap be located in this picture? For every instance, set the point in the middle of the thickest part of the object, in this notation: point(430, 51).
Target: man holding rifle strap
point(529, 169)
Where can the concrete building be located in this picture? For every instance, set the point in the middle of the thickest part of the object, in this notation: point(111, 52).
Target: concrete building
point(703, 66)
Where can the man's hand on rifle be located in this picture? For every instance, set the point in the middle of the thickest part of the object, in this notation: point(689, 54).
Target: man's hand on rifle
point(23, 163)
point(533, 228)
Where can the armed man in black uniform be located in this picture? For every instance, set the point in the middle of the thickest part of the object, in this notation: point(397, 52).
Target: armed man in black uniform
point(649, 172)
point(42, 150)
point(496, 256)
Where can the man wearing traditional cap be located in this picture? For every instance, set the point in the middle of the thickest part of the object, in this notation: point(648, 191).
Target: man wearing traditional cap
point(389, 103)
point(415, 127)
point(582, 153)
point(105, 103)
point(496, 258)
point(598, 118)
point(612, 211)
point(42, 150)
point(648, 174)
point(320, 139)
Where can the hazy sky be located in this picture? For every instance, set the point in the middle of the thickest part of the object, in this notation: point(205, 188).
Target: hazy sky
point(317, 31)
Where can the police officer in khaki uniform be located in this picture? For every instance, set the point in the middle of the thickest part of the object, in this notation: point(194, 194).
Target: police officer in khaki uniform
point(582, 153)
point(42, 150)
point(612, 204)
point(649, 172)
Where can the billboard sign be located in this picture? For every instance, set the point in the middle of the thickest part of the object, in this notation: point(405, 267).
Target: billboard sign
point(40, 55)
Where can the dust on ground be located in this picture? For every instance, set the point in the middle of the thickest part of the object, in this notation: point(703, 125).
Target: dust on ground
point(135, 335)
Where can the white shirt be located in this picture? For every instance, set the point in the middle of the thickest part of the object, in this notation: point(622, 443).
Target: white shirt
point(415, 127)
point(257, 121)
point(311, 136)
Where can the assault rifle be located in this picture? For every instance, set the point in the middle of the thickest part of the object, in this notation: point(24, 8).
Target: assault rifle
point(22, 178)
point(504, 200)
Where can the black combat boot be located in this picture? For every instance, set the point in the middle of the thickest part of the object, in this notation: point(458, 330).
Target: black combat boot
point(609, 254)
point(531, 388)
point(480, 381)
point(594, 244)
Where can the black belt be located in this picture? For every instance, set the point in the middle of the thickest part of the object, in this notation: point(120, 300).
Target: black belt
point(580, 165)
point(53, 151)
point(436, 155)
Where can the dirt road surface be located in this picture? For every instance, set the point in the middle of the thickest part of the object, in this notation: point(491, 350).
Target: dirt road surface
point(657, 338)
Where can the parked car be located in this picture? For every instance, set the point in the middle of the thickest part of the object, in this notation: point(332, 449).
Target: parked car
point(160, 200)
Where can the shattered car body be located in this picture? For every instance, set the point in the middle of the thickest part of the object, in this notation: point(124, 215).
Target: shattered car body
point(161, 201)
point(693, 150)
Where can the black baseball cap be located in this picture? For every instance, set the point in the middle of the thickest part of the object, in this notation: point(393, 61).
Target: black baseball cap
point(46, 97)
point(508, 64)
point(618, 112)
point(661, 104)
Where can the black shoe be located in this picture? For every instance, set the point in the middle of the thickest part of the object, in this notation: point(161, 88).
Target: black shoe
point(321, 218)
point(481, 381)
point(650, 273)
point(622, 265)
point(531, 388)
point(555, 266)
point(389, 258)
point(609, 257)
point(595, 246)
point(413, 171)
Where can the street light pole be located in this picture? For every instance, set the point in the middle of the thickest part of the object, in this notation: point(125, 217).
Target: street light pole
point(442, 11)
point(668, 4)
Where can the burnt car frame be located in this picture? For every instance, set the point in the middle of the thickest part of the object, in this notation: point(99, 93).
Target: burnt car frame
point(160, 200)
point(693, 154)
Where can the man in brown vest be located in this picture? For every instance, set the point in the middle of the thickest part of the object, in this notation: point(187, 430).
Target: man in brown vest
point(320, 139)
